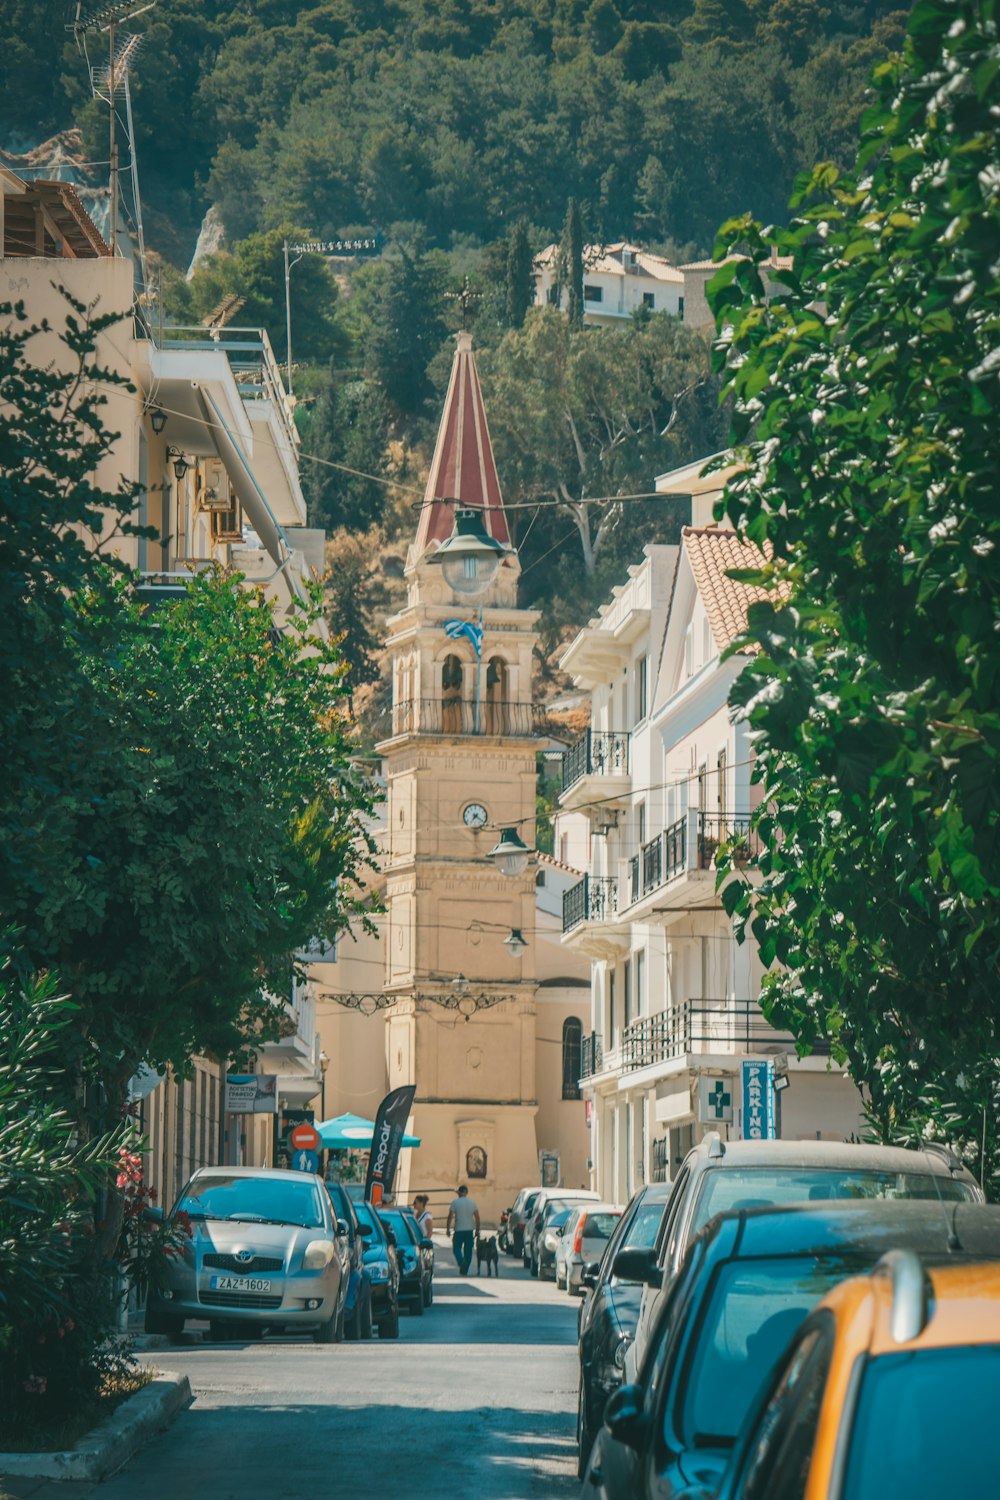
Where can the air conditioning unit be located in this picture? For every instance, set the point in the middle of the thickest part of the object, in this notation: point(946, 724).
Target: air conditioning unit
point(213, 493)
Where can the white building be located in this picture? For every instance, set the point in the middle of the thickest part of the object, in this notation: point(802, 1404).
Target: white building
point(664, 776)
point(617, 279)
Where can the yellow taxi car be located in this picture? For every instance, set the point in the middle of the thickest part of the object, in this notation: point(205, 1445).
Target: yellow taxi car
point(890, 1388)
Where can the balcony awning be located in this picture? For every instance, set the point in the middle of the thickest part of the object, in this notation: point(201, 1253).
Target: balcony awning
point(241, 477)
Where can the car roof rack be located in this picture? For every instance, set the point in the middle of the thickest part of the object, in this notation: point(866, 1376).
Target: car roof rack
point(910, 1306)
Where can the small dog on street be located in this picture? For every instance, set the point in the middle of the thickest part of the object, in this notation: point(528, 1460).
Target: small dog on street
point(486, 1250)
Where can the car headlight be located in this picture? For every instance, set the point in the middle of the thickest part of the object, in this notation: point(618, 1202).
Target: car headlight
point(621, 1351)
point(379, 1271)
point(550, 1241)
point(318, 1255)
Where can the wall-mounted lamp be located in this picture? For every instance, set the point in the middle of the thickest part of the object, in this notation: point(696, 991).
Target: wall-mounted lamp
point(514, 943)
point(181, 464)
point(511, 854)
point(469, 559)
point(157, 419)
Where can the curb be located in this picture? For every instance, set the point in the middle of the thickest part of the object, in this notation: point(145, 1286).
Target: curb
point(114, 1442)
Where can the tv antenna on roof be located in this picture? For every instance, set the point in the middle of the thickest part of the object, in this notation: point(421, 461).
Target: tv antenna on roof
point(104, 82)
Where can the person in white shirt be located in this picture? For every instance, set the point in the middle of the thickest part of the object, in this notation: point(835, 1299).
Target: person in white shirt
point(464, 1214)
point(423, 1215)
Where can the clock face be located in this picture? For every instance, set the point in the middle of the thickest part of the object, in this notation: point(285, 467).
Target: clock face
point(475, 815)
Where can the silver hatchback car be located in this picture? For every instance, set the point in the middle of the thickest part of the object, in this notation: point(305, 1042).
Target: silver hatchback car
point(265, 1251)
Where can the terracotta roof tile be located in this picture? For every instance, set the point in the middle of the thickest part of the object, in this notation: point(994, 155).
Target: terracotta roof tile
point(714, 551)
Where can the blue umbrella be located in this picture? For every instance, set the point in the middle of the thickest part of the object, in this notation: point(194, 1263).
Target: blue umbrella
point(352, 1133)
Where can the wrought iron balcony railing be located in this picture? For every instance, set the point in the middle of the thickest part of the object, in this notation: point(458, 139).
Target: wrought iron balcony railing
point(592, 899)
point(666, 856)
point(730, 829)
point(458, 716)
point(598, 752)
point(593, 1055)
point(702, 1026)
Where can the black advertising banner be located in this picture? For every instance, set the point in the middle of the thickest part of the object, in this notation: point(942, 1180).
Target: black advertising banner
point(387, 1137)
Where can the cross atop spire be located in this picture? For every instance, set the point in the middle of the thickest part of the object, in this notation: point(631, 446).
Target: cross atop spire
point(463, 469)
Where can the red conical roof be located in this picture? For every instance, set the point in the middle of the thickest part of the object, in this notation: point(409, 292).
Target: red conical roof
point(463, 467)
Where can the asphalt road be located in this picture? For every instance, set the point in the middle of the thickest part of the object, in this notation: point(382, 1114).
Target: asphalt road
point(477, 1399)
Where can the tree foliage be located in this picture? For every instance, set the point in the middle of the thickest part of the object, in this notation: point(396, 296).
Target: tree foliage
point(866, 409)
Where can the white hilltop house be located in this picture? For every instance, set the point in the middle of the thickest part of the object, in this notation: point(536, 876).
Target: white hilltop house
point(617, 279)
point(663, 774)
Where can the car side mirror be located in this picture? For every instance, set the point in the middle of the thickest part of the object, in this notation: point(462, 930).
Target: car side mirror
point(589, 1276)
point(366, 1231)
point(426, 1244)
point(625, 1417)
point(638, 1265)
point(390, 1235)
point(153, 1215)
point(342, 1228)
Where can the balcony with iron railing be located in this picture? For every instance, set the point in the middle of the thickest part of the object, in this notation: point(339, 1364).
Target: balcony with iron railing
point(672, 867)
point(592, 1055)
point(596, 768)
point(457, 716)
point(701, 1028)
point(590, 909)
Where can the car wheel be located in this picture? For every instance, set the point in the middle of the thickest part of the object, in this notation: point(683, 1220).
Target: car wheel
point(326, 1333)
point(352, 1324)
point(157, 1321)
point(417, 1305)
point(584, 1436)
point(534, 1266)
point(388, 1327)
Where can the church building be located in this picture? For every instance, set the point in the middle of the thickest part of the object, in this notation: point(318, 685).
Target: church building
point(483, 1008)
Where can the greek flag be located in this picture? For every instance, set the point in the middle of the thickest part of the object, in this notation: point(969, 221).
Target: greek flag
point(455, 629)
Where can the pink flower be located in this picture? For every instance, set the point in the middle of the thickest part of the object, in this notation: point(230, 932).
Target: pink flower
point(35, 1385)
point(69, 1325)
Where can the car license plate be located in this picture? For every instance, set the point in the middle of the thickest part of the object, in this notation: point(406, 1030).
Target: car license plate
point(240, 1284)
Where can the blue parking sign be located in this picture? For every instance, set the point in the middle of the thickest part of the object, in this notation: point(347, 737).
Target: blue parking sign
point(758, 1100)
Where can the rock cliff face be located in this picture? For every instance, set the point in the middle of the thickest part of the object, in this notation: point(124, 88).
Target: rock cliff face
point(211, 239)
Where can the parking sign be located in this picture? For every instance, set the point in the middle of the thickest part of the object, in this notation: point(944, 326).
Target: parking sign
point(758, 1100)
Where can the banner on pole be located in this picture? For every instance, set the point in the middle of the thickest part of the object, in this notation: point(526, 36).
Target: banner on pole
point(758, 1100)
point(387, 1137)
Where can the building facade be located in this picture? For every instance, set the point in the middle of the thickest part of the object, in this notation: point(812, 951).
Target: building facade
point(664, 775)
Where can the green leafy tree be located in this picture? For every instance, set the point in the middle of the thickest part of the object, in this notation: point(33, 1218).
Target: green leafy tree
point(355, 598)
point(407, 329)
point(346, 435)
point(866, 404)
point(579, 416)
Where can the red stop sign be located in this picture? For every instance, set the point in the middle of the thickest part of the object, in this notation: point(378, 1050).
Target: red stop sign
point(305, 1137)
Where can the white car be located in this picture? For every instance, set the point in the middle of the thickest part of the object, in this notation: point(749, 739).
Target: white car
point(569, 1196)
point(583, 1242)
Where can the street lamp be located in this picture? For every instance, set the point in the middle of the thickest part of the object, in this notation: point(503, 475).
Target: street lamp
point(180, 463)
point(511, 854)
point(157, 420)
point(470, 558)
point(514, 943)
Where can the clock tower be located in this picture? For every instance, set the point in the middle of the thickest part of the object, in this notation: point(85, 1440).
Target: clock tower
point(460, 766)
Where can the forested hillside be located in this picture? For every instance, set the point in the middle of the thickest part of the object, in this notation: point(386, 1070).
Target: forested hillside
point(660, 116)
point(460, 131)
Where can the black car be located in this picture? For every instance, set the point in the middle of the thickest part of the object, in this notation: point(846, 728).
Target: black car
point(609, 1312)
point(416, 1259)
point(382, 1265)
point(358, 1311)
point(748, 1281)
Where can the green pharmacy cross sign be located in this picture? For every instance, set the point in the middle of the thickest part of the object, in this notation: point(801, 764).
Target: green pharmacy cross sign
point(715, 1101)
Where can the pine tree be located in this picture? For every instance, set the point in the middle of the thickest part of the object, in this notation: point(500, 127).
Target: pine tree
point(571, 254)
point(520, 275)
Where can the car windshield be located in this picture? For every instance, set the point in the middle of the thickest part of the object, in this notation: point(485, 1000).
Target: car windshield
point(399, 1224)
point(559, 1218)
point(599, 1226)
point(907, 1401)
point(529, 1203)
point(755, 1307)
point(263, 1200)
point(754, 1187)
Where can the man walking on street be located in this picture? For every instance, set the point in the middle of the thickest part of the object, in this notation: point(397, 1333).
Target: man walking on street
point(464, 1214)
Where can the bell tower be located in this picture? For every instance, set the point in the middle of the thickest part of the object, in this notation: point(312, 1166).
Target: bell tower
point(460, 767)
